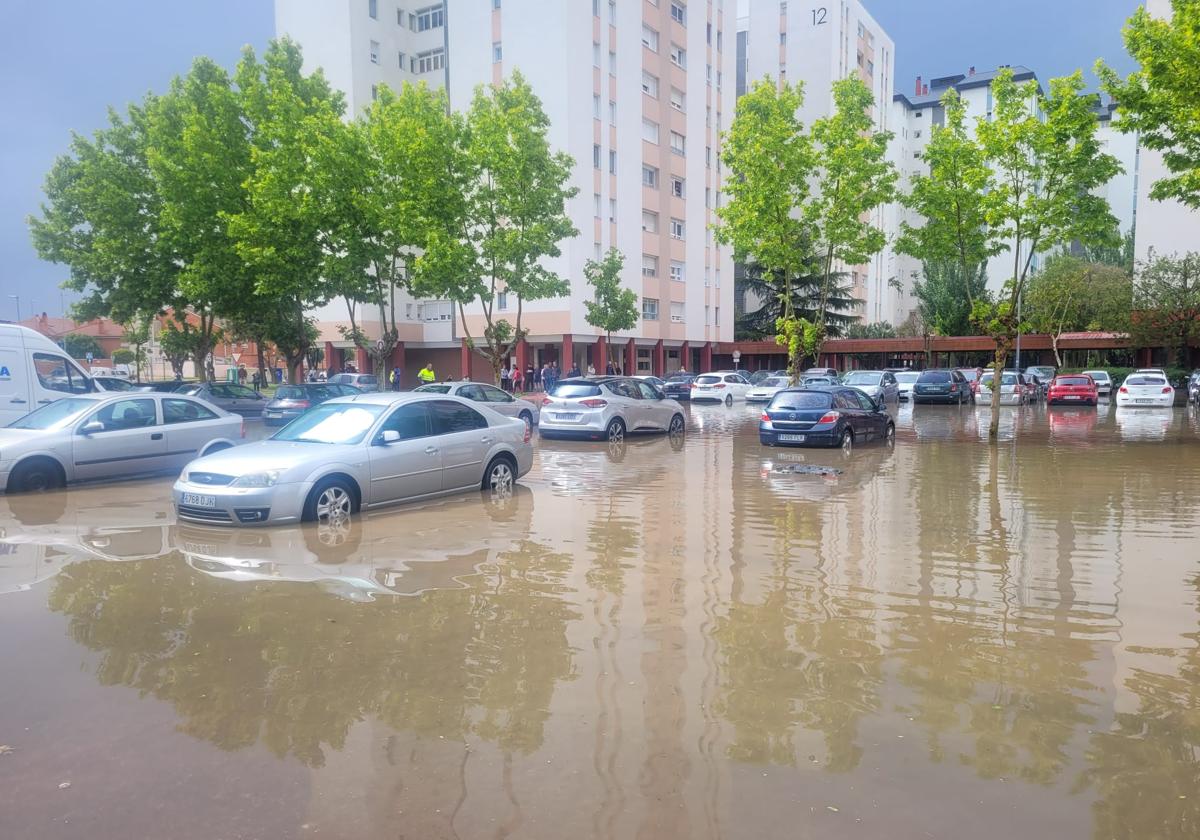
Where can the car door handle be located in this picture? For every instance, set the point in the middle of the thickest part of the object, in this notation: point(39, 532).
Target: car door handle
point(431, 450)
point(485, 440)
point(17, 401)
point(156, 436)
point(45, 402)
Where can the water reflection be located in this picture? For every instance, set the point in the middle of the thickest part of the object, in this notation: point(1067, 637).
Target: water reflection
point(675, 637)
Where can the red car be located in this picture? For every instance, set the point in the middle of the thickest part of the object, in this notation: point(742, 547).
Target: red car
point(1074, 388)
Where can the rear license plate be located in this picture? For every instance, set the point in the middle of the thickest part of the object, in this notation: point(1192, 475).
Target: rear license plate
point(198, 500)
point(792, 438)
point(1070, 396)
point(566, 416)
point(1144, 402)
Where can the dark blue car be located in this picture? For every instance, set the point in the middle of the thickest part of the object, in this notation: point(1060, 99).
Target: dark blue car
point(824, 416)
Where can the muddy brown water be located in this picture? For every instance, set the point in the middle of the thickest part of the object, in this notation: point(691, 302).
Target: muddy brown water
point(668, 639)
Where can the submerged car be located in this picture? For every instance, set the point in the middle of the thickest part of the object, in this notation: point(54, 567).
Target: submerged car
point(942, 386)
point(1193, 386)
point(766, 389)
point(1013, 388)
point(905, 380)
point(1103, 381)
point(228, 396)
point(678, 386)
point(1040, 375)
point(1139, 389)
point(290, 401)
point(1075, 388)
point(497, 399)
point(357, 452)
point(838, 416)
point(361, 381)
point(720, 386)
point(607, 407)
point(91, 437)
point(879, 385)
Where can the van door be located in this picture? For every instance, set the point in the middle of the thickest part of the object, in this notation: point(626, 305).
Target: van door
point(14, 386)
point(54, 377)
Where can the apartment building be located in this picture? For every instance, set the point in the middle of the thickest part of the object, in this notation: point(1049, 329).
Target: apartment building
point(820, 43)
point(637, 92)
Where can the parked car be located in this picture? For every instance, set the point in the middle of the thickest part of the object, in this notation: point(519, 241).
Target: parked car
point(228, 396)
point(1076, 388)
point(607, 407)
point(1014, 390)
point(1193, 386)
point(290, 401)
point(942, 386)
point(838, 416)
point(720, 386)
point(167, 386)
point(35, 371)
point(1138, 389)
point(114, 383)
point(89, 437)
point(357, 452)
point(679, 386)
point(972, 376)
point(766, 389)
point(1042, 374)
point(818, 381)
point(905, 380)
point(821, 371)
point(1159, 371)
point(1103, 381)
point(759, 375)
point(653, 380)
point(361, 381)
point(879, 385)
point(496, 399)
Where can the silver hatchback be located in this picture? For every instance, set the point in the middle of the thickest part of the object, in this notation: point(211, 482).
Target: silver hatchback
point(607, 407)
point(357, 452)
point(494, 398)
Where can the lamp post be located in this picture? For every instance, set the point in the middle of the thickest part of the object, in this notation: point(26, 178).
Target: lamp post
point(17, 298)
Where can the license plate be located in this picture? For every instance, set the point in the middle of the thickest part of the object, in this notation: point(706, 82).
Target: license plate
point(274, 415)
point(566, 416)
point(1070, 396)
point(197, 500)
point(792, 438)
point(1144, 402)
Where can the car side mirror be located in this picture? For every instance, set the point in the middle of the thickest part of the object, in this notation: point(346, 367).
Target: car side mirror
point(91, 427)
point(389, 436)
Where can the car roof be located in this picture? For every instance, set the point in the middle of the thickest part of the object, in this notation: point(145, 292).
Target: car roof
point(391, 397)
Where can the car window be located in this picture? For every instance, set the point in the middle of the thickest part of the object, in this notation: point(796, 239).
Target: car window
point(1073, 380)
point(1145, 380)
point(649, 392)
point(471, 392)
point(907, 377)
point(126, 414)
point(184, 411)
point(494, 395)
point(410, 421)
point(734, 379)
point(240, 392)
point(937, 377)
point(58, 373)
point(332, 423)
point(863, 378)
point(773, 382)
point(451, 417)
point(800, 401)
point(368, 380)
point(865, 402)
point(575, 389)
point(53, 416)
point(289, 392)
point(888, 379)
point(625, 389)
point(843, 399)
point(707, 380)
point(433, 389)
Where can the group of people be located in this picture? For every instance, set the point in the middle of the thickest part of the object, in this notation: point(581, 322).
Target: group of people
point(514, 379)
point(255, 378)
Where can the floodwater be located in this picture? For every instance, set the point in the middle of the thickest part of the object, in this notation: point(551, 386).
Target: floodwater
point(671, 639)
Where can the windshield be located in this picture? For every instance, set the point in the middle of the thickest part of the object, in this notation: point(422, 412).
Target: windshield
point(54, 416)
point(1145, 380)
point(434, 389)
point(344, 423)
point(863, 378)
point(342, 379)
point(1041, 372)
point(800, 401)
point(1073, 380)
point(289, 392)
point(707, 380)
point(571, 390)
point(1005, 379)
point(681, 377)
point(773, 382)
point(971, 374)
point(1097, 374)
point(936, 376)
point(907, 377)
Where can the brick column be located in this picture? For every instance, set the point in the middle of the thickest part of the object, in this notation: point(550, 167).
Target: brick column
point(659, 364)
point(630, 358)
point(684, 353)
point(465, 361)
point(362, 360)
point(568, 355)
point(329, 351)
point(705, 358)
point(600, 356)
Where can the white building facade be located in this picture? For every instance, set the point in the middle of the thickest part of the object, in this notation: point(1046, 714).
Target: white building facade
point(637, 92)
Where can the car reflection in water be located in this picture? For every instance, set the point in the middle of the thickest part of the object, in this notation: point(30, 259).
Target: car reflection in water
point(398, 552)
point(818, 475)
point(1144, 424)
point(1072, 424)
point(575, 467)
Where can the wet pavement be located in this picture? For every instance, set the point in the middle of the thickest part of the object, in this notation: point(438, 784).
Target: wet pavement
point(668, 639)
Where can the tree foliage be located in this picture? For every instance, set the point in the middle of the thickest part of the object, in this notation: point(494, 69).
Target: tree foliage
point(78, 345)
point(613, 307)
point(881, 329)
point(805, 291)
point(1159, 101)
point(1071, 294)
point(1167, 304)
point(945, 293)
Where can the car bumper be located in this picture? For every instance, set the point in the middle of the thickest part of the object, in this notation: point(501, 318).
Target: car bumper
point(286, 416)
point(818, 438)
point(985, 398)
point(592, 425)
point(246, 506)
point(678, 395)
point(709, 396)
point(938, 398)
point(1165, 401)
point(1062, 399)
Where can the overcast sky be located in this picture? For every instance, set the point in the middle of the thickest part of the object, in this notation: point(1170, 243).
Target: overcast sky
point(63, 63)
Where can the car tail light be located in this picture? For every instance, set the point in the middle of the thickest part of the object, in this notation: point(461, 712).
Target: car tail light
point(829, 417)
point(547, 401)
point(302, 404)
point(1123, 390)
point(766, 418)
point(528, 432)
point(719, 385)
point(953, 389)
point(691, 384)
point(1167, 390)
point(594, 403)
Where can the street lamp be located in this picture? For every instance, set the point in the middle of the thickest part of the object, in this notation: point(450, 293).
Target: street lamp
point(17, 298)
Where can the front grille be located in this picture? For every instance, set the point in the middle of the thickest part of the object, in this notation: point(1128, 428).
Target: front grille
point(200, 514)
point(211, 479)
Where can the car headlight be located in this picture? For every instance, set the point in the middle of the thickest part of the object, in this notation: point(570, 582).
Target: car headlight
point(259, 479)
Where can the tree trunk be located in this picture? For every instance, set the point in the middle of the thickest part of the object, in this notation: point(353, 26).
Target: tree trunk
point(1054, 344)
point(997, 380)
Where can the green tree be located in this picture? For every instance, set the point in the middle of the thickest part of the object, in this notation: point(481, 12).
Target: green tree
point(805, 291)
point(881, 329)
point(612, 308)
point(77, 346)
point(1073, 294)
point(137, 334)
point(1158, 102)
point(945, 293)
point(123, 356)
point(1167, 304)
point(1046, 161)
point(178, 343)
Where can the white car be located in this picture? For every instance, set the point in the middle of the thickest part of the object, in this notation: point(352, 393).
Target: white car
point(905, 380)
point(1103, 381)
point(720, 386)
point(496, 399)
point(766, 390)
point(1146, 390)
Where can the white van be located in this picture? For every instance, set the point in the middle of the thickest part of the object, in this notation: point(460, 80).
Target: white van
point(34, 371)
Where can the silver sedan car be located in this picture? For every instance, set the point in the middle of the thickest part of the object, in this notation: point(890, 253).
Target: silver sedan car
point(357, 452)
point(879, 385)
point(608, 407)
point(107, 435)
point(494, 398)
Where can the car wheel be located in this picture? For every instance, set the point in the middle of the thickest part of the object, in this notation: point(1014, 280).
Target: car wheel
point(676, 427)
point(728, 400)
point(330, 501)
point(527, 417)
point(36, 476)
point(889, 434)
point(216, 447)
point(500, 476)
point(615, 430)
point(847, 442)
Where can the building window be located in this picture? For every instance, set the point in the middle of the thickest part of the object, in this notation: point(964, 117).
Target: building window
point(707, 197)
point(612, 161)
point(678, 12)
point(678, 100)
point(495, 4)
point(374, 52)
point(678, 143)
point(678, 55)
point(708, 34)
point(431, 17)
point(374, 92)
point(706, 276)
point(649, 84)
point(400, 17)
point(612, 11)
point(612, 209)
point(649, 221)
point(596, 203)
point(612, 63)
point(677, 228)
point(649, 309)
point(649, 176)
point(427, 62)
point(676, 186)
point(373, 8)
point(649, 265)
point(502, 298)
point(676, 312)
point(595, 54)
point(649, 131)
point(708, 155)
point(708, 115)
point(596, 105)
point(612, 112)
point(708, 73)
point(497, 52)
point(861, 29)
point(716, 316)
point(649, 38)
point(595, 8)
point(677, 271)
point(718, 42)
point(782, 38)
point(718, 80)
point(718, 283)
point(870, 68)
point(403, 61)
point(435, 310)
point(596, 155)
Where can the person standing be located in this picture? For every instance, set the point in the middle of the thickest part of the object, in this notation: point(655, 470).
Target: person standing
point(257, 380)
point(530, 379)
point(610, 369)
point(591, 370)
point(505, 378)
point(518, 379)
point(574, 369)
point(395, 379)
point(425, 375)
point(549, 378)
